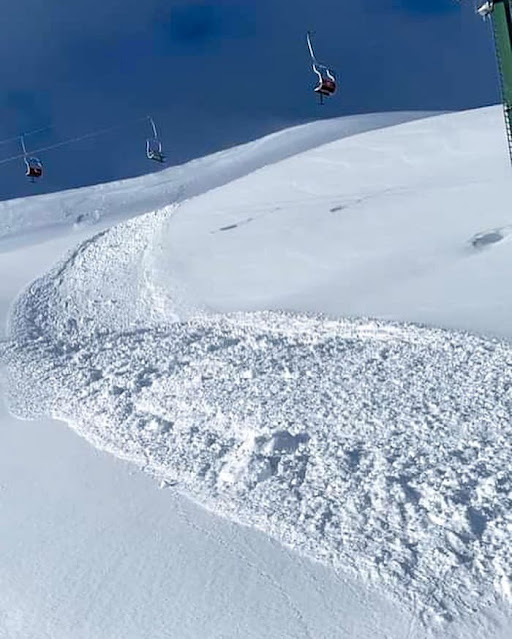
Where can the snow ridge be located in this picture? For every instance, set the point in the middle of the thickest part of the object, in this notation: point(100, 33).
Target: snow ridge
point(381, 448)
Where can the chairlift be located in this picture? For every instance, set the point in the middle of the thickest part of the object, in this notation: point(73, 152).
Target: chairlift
point(33, 165)
point(486, 9)
point(154, 146)
point(34, 168)
point(326, 79)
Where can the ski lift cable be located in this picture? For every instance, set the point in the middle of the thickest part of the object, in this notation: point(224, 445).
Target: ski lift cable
point(79, 138)
point(25, 134)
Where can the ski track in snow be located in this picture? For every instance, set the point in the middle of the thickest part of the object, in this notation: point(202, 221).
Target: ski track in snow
point(262, 574)
point(379, 448)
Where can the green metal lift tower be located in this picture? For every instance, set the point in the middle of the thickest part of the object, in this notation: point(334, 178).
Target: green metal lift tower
point(500, 12)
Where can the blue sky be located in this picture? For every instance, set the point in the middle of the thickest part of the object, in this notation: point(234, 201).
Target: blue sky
point(216, 73)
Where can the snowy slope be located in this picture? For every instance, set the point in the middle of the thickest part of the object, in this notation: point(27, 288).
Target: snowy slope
point(382, 449)
point(33, 219)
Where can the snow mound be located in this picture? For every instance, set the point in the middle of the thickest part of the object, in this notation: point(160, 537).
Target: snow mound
point(107, 283)
point(381, 448)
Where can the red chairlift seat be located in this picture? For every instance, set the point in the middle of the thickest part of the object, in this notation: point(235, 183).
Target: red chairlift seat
point(326, 87)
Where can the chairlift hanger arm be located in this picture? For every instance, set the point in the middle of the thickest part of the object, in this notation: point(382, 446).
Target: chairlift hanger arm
point(310, 47)
point(153, 126)
point(318, 68)
point(313, 58)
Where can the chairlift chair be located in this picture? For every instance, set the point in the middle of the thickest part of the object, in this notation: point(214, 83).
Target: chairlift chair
point(153, 145)
point(154, 150)
point(34, 168)
point(327, 83)
point(326, 79)
point(33, 165)
point(486, 9)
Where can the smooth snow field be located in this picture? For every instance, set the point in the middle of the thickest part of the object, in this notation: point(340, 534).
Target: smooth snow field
point(308, 336)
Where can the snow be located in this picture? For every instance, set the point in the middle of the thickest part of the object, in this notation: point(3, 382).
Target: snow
point(31, 219)
point(89, 549)
point(361, 444)
point(191, 341)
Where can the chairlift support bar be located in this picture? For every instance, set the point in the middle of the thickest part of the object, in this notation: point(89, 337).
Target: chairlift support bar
point(22, 140)
point(310, 47)
point(153, 126)
point(313, 57)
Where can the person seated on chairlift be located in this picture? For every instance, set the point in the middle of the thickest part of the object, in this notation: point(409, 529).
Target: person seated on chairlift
point(34, 168)
point(154, 150)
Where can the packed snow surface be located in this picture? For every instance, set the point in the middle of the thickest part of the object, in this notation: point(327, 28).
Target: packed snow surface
point(189, 341)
